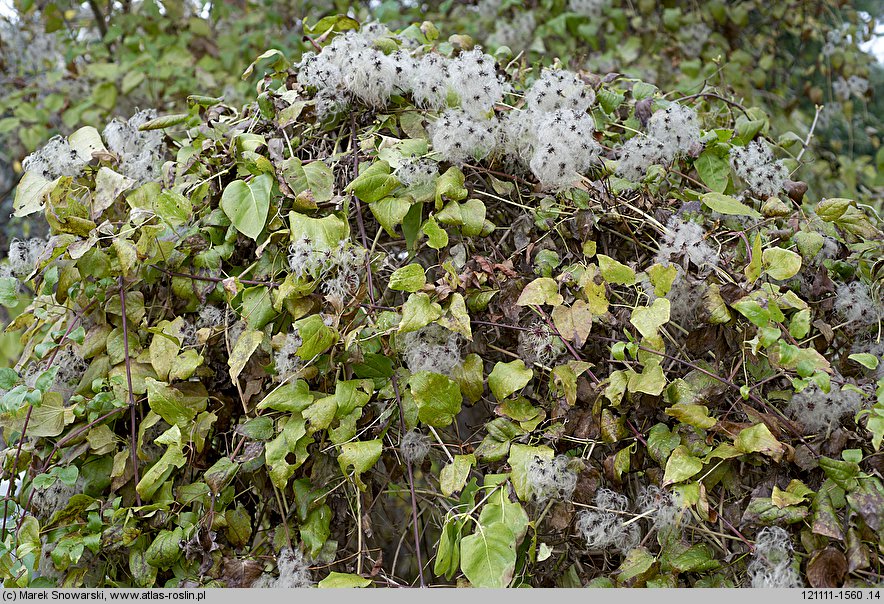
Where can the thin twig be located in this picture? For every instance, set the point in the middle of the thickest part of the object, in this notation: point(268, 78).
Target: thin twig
point(712, 95)
point(355, 151)
point(214, 279)
point(417, 546)
point(816, 117)
point(133, 436)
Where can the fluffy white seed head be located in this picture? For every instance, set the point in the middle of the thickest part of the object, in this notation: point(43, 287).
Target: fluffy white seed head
point(550, 479)
point(755, 165)
point(771, 565)
point(475, 81)
point(56, 158)
point(430, 81)
point(431, 348)
point(23, 255)
point(672, 132)
point(559, 89)
point(416, 172)
point(564, 149)
point(538, 344)
point(140, 153)
point(588, 8)
point(685, 240)
point(457, 137)
point(603, 527)
point(855, 305)
point(517, 32)
point(820, 411)
point(414, 447)
point(286, 359)
point(294, 572)
point(664, 507)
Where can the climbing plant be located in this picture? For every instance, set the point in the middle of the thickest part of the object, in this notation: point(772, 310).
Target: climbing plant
point(422, 315)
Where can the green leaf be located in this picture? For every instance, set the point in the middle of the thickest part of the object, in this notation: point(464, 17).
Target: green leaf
point(320, 180)
point(540, 291)
point(418, 311)
point(681, 466)
point(758, 439)
point(450, 186)
point(374, 182)
point(9, 291)
point(869, 361)
point(637, 562)
point(662, 277)
point(87, 141)
point(316, 530)
point(437, 397)
point(390, 212)
point(809, 243)
point(257, 307)
point(615, 272)
point(265, 55)
point(172, 458)
point(713, 169)
point(170, 403)
point(454, 476)
point(650, 381)
point(336, 580)
point(448, 553)
point(753, 311)
point(8, 378)
point(30, 193)
point(323, 233)
point(661, 442)
point(165, 549)
point(409, 278)
point(220, 474)
point(488, 557)
point(164, 121)
point(696, 559)
point(469, 375)
point(291, 397)
point(725, 204)
point(507, 378)
point(648, 319)
point(609, 99)
point(247, 204)
point(333, 23)
point(245, 346)
point(692, 415)
point(362, 455)
point(174, 208)
point(316, 337)
point(832, 209)
point(437, 237)
point(277, 452)
point(780, 263)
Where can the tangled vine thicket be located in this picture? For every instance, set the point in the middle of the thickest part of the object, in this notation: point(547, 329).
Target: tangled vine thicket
point(424, 315)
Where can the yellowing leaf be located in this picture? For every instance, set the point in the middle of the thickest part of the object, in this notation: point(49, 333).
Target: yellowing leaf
point(647, 320)
point(681, 466)
point(615, 272)
point(507, 378)
point(540, 291)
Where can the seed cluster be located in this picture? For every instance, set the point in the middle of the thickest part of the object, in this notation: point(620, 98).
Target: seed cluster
point(755, 165)
point(672, 132)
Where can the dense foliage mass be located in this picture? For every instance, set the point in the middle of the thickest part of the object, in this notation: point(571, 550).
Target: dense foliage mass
point(420, 314)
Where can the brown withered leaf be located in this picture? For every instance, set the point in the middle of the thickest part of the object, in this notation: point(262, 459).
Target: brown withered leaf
point(827, 568)
point(240, 573)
